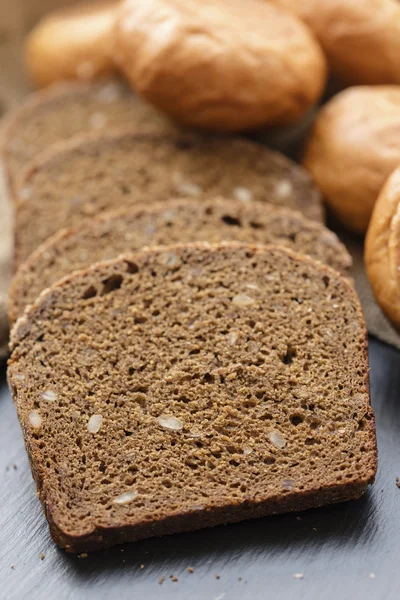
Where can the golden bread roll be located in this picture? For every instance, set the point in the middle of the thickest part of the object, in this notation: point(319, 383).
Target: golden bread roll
point(353, 147)
point(73, 43)
point(361, 38)
point(223, 65)
point(382, 249)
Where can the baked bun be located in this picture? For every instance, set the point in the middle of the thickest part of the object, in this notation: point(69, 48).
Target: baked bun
point(223, 65)
point(361, 39)
point(353, 148)
point(73, 43)
point(382, 249)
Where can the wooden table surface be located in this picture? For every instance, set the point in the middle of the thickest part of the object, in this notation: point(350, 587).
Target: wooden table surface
point(346, 552)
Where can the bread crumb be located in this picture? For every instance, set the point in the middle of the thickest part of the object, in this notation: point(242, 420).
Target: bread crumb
point(142, 566)
point(218, 576)
point(161, 581)
point(42, 556)
point(173, 578)
point(239, 579)
point(372, 575)
point(13, 566)
point(83, 555)
point(15, 467)
point(190, 570)
point(398, 482)
point(298, 575)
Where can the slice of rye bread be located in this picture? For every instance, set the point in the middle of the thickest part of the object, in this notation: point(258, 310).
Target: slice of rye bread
point(93, 175)
point(64, 110)
point(189, 386)
point(165, 223)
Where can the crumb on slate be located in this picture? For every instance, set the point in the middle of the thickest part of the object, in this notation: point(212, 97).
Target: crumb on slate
point(372, 575)
point(190, 570)
point(161, 581)
point(42, 556)
point(218, 576)
point(173, 578)
point(239, 579)
point(13, 566)
point(142, 566)
point(298, 575)
point(83, 555)
point(398, 482)
point(15, 467)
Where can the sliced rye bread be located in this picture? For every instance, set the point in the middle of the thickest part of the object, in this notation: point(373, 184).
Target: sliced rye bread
point(96, 174)
point(65, 110)
point(189, 386)
point(173, 221)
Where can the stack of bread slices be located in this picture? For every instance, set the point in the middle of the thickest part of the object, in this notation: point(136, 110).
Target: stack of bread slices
point(187, 347)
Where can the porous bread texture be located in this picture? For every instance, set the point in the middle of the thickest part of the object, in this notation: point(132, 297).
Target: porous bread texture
point(382, 249)
point(74, 42)
point(223, 66)
point(361, 39)
point(96, 174)
point(191, 386)
point(61, 112)
point(353, 148)
point(174, 221)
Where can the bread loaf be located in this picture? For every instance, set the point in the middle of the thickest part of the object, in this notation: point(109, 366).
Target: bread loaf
point(73, 43)
point(101, 173)
point(186, 387)
point(361, 38)
point(165, 223)
point(382, 249)
point(224, 66)
point(353, 148)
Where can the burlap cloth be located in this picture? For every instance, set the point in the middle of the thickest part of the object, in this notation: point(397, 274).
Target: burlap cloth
point(16, 18)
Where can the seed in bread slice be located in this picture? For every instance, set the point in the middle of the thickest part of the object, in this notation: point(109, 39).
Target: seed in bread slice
point(65, 110)
point(93, 175)
point(189, 386)
point(165, 223)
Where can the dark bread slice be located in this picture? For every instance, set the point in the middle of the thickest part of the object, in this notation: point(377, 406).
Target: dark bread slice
point(67, 109)
point(190, 386)
point(121, 170)
point(166, 223)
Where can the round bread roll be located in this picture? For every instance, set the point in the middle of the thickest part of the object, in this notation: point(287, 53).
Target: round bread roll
point(382, 249)
point(353, 148)
point(361, 38)
point(223, 65)
point(73, 43)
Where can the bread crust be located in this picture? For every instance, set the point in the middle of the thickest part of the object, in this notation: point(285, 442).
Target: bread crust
point(353, 147)
point(226, 66)
point(382, 249)
point(361, 39)
point(73, 43)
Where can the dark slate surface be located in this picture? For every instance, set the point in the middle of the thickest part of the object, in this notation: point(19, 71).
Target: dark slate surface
point(350, 551)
